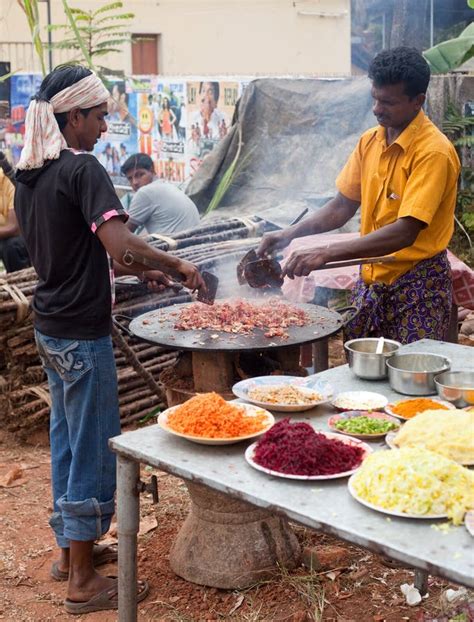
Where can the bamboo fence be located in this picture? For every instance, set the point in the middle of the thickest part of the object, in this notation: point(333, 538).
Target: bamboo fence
point(24, 395)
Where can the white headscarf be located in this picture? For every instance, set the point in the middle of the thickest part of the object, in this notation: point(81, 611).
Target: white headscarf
point(43, 138)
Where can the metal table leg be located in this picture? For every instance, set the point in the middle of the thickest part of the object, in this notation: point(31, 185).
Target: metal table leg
point(128, 519)
point(321, 355)
point(421, 581)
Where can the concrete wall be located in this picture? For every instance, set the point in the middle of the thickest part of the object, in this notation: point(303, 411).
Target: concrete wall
point(253, 37)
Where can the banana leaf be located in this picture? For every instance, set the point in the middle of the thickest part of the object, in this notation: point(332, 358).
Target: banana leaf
point(453, 53)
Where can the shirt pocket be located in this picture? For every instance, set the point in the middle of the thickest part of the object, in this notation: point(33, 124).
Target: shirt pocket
point(390, 209)
point(69, 358)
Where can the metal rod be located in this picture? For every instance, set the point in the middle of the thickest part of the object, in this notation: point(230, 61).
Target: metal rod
point(128, 521)
point(431, 24)
point(356, 262)
point(50, 38)
point(384, 26)
point(421, 581)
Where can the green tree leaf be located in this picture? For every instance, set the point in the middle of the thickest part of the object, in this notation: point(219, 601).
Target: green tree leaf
point(451, 54)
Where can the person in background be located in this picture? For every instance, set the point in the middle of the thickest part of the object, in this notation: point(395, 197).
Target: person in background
point(73, 223)
point(403, 174)
point(157, 206)
point(13, 251)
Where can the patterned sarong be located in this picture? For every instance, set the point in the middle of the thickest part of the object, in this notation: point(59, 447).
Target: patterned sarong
point(416, 306)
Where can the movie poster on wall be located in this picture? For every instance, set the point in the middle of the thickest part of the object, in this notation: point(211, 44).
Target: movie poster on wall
point(120, 140)
point(22, 87)
point(210, 108)
point(169, 130)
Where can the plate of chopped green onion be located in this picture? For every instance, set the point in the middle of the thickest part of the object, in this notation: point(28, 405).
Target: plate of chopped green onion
point(364, 424)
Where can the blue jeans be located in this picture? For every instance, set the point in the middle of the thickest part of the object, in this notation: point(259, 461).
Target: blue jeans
point(84, 415)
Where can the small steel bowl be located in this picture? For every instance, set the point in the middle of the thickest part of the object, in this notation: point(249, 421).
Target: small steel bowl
point(414, 374)
point(456, 387)
point(363, 361)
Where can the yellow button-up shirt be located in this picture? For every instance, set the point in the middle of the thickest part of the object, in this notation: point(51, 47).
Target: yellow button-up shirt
point(414, 176)
point(7, 192)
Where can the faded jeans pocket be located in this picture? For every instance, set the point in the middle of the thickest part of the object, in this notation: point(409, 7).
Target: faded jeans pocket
point(69, 358)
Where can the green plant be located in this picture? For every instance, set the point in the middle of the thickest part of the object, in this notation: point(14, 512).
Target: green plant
point(460, 130)
point(94, 34)
point(149, 416)
point(451, 54)
point(30, 7)
point(226, 179)
point(8, 75)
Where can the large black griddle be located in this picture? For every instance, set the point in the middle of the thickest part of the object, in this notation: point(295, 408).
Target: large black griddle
point(158, 327)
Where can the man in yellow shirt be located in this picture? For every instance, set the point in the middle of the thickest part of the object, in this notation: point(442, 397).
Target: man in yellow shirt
point(403, 174)
point(13, 251)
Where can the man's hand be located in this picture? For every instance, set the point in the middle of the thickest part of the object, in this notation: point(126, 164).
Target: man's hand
point(272, 242)
point(191, 276)
point(156, 281)
point(303, 262)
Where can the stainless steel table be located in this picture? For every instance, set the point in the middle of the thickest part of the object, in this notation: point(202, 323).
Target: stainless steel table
point(322, 505)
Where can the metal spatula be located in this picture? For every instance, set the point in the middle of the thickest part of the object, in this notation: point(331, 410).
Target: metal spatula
point(263, 273)
point(268, 272)
point(249, 257)
point(212, 282)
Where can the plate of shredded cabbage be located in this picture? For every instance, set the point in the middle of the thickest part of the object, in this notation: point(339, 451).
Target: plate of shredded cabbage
point(414, 483)
point(448, 433)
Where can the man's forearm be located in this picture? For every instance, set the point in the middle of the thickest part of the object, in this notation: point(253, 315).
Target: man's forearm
point(334, 214)
point(117, 239)
point(386, 240)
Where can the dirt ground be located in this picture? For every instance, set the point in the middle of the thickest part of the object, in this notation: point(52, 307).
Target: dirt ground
point(352, 585)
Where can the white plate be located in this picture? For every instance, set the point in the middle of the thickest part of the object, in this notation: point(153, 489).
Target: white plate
point(307, 384)
point(250, 410)
point(359, 400)
point(389, 410)
point(469, 521)
point(391, 437)
point(353, 493)
point(344, 439)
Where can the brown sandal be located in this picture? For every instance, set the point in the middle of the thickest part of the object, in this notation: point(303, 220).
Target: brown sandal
point(105, 600)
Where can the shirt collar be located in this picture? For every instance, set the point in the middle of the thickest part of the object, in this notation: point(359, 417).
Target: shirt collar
point(408, 134)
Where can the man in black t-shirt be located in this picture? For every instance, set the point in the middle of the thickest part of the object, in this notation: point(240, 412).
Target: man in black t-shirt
point(73, 222)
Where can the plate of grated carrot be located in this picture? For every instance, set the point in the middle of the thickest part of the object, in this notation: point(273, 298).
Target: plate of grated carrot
point(408, 408)
point(208, 419)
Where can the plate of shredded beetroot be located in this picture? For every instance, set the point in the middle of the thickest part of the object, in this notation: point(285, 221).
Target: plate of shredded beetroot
point(298, 451)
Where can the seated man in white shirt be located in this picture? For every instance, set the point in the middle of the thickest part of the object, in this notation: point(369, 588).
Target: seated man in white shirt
point(158, 206)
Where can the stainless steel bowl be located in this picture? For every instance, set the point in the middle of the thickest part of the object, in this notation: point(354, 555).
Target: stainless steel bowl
point(414, 374)
point(364, 362)
point(456, 387)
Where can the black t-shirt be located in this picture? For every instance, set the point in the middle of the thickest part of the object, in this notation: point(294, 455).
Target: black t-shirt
point(59, 208)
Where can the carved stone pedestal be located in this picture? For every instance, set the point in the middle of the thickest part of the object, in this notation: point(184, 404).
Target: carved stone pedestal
point(230, 544)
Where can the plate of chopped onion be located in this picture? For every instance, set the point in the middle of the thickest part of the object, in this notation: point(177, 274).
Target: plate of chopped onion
point(408, 408)
point(359, 400)
point(208, 419)
point(284, 393)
